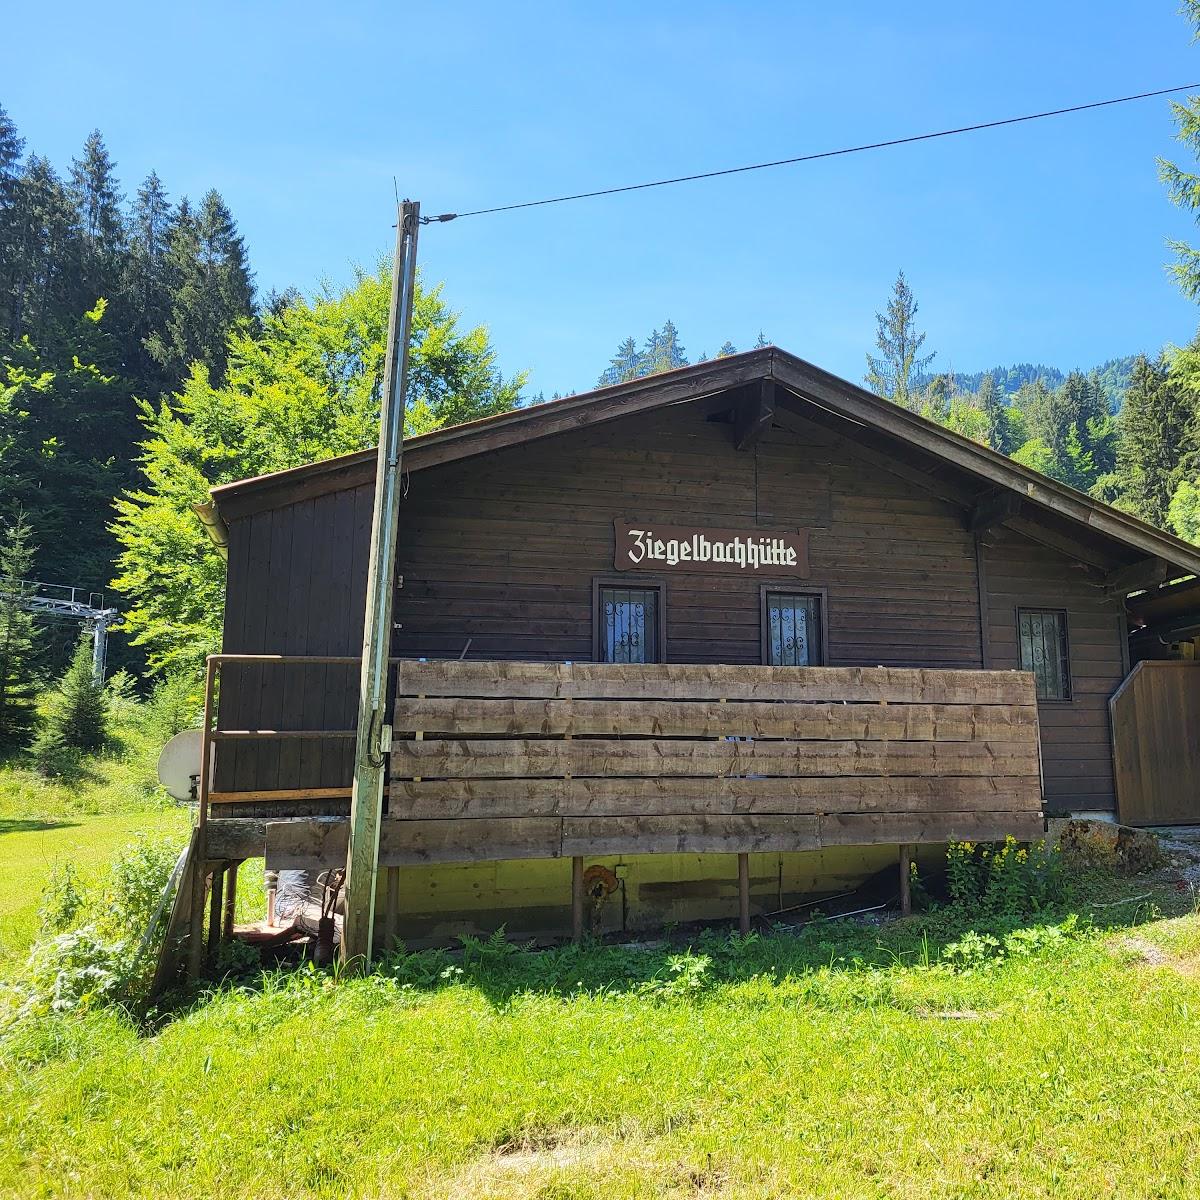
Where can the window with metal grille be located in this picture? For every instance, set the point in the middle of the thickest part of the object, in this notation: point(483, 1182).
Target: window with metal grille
point(629, 625)
point(792, 631)
point(1042, 638)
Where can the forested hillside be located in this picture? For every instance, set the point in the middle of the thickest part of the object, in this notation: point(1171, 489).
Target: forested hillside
point(137, 370)
point(103, 299)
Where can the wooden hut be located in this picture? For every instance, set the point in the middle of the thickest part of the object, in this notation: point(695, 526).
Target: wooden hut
point(742, 613)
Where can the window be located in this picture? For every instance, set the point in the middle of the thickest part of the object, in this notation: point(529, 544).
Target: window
point(1042, 638)
point(629, 624)
point(791, 629)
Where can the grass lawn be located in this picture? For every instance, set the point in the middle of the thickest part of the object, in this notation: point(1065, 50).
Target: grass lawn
point(30, 847)
point(840, 1061)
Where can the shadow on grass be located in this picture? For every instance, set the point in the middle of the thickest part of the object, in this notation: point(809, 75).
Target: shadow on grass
point(837, 957)
point(34, 824)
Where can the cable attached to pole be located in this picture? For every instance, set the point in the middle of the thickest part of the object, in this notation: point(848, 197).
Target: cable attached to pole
point(441, 218)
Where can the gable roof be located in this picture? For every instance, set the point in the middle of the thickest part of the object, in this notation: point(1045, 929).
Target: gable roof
point(870, 417)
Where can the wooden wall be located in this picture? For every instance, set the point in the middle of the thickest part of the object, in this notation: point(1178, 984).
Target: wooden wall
point(1156, 716)
point(1076, 744)
point(501, 550)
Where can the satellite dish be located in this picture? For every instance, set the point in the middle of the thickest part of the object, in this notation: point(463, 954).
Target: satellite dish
point(179, 764)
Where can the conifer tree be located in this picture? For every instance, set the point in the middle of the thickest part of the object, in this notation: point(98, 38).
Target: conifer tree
point(894, 372)
point(146, 285)
point(1155, 439)
point(18, 680)
point(78, 716)
point(212, 289)
point(727, 348)
point(995, 413)
point(760, 342)
point(11, 149)
point(99, 223)
point(624, 365)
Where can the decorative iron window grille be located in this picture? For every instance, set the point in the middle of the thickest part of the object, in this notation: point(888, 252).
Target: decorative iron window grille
point(793, 630)
point(1042, 640)
point(629, 625)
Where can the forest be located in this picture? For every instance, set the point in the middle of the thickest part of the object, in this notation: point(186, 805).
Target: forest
point(139, 366)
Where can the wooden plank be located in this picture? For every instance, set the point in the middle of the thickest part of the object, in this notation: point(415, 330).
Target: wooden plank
point(476, 798)
point(862, 829)
point(681, 757)
point(260, 794)
point(314, 843)
point(754, 415)
point(686, 681)
point(597, 836)
point(707, 718)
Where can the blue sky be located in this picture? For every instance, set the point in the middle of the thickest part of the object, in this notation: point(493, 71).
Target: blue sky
point(1043, 242)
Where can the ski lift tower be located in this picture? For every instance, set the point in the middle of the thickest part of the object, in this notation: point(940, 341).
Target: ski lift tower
point(63, 603)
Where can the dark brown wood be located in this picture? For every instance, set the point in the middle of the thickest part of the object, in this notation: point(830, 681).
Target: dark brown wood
point(1022, 574)
point(743, 894)
point(229, 913)
point(1139, 576)
point(216, 909)
point(577, 899)
point(1156, 749)
point(993, 508)
point(754, 415)
point(391, 912)
point(905, 880)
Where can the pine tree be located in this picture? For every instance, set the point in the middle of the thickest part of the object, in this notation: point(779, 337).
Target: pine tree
point(995, 412)
point(18, 680)
point(11, 149)
point(727, 348)
point(78, 716)
point(43, 269)
point(99, 223)
point(624, 365)
point(670, 350)
point(894, 372)
point(760, 342)
point(212, 289)
point(146, 290)
point(1155, 439)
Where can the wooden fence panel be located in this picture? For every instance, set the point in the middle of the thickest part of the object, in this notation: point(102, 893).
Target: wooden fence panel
point(1156, 744)
point(498, 760)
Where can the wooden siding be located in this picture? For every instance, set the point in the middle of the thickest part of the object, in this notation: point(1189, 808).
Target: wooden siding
point(498, 554)
point(1076, 748)
point(1156, 745)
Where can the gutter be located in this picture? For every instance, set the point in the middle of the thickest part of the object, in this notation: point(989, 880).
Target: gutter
point(214, 526)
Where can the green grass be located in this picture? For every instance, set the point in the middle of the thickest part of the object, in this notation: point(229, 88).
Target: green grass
point(837, 1061)
point(842, 1061)
point(31, 846)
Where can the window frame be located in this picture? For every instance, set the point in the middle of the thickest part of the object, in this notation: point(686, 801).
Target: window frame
point(821, 595)
point(1065, 650)
point(629, 583)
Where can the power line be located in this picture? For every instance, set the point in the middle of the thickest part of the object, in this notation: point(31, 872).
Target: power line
point(802, 158)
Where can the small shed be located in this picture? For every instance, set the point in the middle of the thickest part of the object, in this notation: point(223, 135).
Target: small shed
point(742, 614)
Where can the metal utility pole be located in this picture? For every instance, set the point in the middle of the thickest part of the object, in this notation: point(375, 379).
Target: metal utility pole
point(373, 737)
